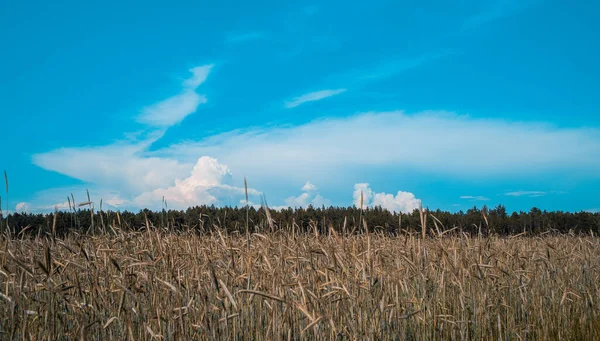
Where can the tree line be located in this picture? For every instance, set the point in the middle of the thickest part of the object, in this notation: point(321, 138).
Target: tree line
point(205, 219)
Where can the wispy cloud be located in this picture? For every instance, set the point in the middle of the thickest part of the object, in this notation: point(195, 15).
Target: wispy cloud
point(199, 76)
point(313, 96)
point(234, 38)
point(119, 165)
point(172, 110)
point(175, 109)
point(363, 75)
point(474, 198)
point(530, 194)
point(469, 148)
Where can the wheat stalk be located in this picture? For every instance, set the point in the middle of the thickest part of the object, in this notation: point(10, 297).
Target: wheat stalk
point(423, 217)
point(7, 210)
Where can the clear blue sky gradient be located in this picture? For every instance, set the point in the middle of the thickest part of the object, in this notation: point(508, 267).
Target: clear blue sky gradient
point(78, 74)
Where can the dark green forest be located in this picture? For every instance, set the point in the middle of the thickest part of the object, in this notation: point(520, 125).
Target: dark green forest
point(204, 219)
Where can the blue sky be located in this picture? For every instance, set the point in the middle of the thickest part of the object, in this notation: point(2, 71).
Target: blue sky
point(454, 103)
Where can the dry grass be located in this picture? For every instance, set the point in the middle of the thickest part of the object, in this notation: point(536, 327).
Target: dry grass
point(154, 285)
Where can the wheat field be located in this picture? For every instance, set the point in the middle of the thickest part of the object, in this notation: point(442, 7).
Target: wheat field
point(160, 285)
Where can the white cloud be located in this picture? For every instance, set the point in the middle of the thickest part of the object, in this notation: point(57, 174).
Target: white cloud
point(199, 75)
point(531, 194)
point(319, 201)
point(364, 190)
point(427, 142)
point(115, 201)
point(25, 207)
point(56, 199)
point(305, 199)
point(310, 196)
point(430, 142)
point(206, 185)
point(172, 110)
point(22, 207)
point(308, 187)
point(175, 109)
point(313, 96)
point(122, 165)
point(474, 198)
point(61, 206)
point(404, 202)
point(142, 179)
point(300, 201)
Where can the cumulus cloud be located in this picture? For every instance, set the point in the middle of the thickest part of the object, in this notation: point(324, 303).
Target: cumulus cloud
point(207, 184)
point(114, 201)
point(308, 187)
point(22, 207)
point(175, 109)
point(310, 196)
point(61, 206)
point(404, 202)
point(363, 190)
point(313, 96)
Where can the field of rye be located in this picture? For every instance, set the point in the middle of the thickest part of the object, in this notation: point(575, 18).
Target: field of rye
point(161, 285)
